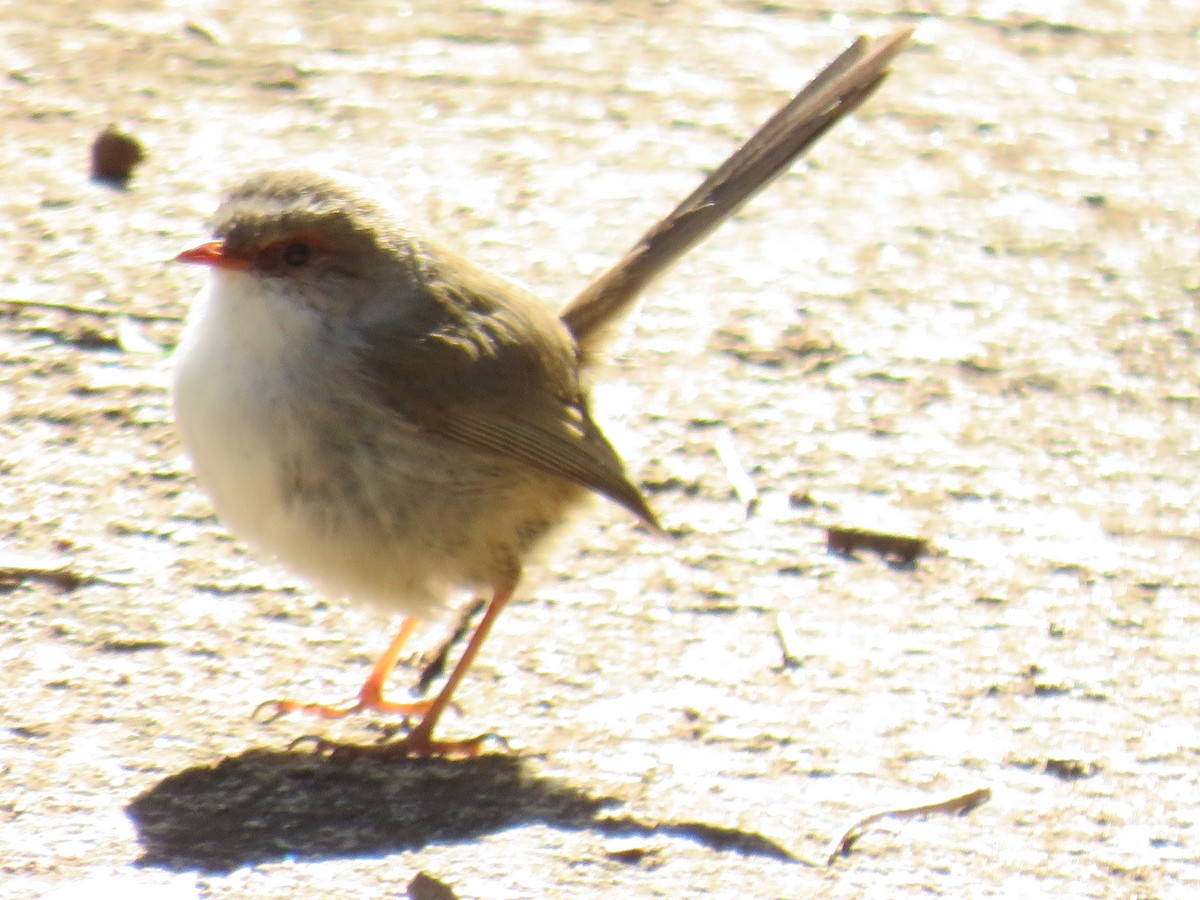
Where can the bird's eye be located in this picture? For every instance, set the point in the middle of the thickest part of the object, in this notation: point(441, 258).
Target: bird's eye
point(296, 254)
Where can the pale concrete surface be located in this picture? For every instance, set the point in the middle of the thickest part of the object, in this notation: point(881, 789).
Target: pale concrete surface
point(972, 316)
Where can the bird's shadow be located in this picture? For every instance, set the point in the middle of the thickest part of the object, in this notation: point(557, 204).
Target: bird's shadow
point(265, 805)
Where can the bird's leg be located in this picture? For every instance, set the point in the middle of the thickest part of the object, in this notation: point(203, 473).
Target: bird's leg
point(419, 742)
point(370, 698)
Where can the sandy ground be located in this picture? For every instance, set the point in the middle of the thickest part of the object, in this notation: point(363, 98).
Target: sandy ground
point(971, 316)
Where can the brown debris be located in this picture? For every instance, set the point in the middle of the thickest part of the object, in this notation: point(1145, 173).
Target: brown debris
point(1071, 769)
point(633, 850)
point(902, 548)
point(115, 155)
point(425, 887)
point(799, 348)
point(206, 31)
point(14, 572)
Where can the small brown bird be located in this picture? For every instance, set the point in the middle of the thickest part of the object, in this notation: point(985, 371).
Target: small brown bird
point(392, 422)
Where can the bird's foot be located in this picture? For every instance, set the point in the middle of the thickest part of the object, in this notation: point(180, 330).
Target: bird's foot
point(417, 744)
point(275, 709)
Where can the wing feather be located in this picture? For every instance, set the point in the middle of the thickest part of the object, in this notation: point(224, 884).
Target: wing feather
point(491, 367)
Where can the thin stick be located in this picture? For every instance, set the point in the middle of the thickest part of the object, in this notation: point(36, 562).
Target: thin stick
point(959, 804)
point(743, 485)
point(789, 643)
point(88, 310)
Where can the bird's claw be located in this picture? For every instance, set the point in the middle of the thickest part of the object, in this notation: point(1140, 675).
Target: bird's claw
point(414, 745)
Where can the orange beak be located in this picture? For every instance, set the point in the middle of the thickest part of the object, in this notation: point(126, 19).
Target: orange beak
point(215, 254)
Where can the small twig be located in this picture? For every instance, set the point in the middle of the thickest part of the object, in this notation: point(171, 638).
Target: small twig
point(959, 804)
point(785, 632)
point(88, 310)
point(437, 666)
point(743, 486)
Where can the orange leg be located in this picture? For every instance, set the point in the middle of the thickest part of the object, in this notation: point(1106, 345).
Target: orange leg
point(370, 697)
point(419, 742)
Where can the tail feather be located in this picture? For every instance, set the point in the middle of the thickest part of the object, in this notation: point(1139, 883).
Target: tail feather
point(834, 93)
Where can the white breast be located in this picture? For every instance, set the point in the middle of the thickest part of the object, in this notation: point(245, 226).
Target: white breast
point(233, 376)
point(390, 516)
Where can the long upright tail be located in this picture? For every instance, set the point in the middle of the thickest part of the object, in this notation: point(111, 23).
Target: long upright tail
point(836, 92)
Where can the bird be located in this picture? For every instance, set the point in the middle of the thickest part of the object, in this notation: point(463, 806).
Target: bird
point(394, 423)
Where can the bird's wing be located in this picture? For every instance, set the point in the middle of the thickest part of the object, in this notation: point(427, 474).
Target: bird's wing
point(493, 368)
